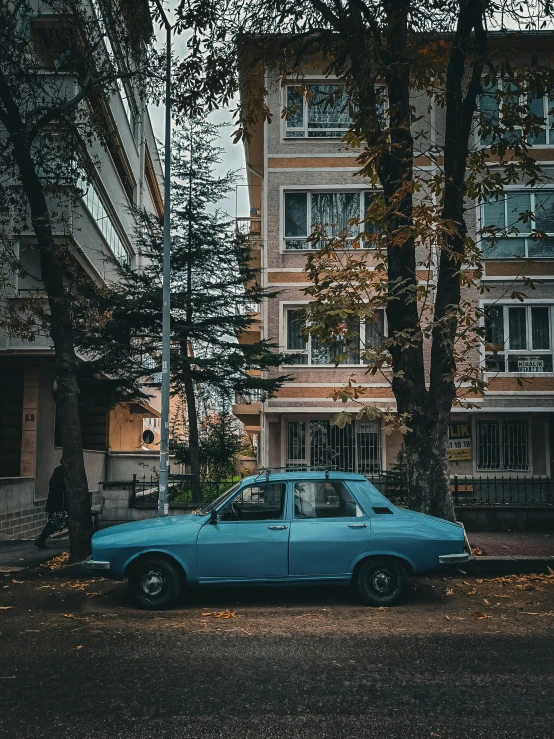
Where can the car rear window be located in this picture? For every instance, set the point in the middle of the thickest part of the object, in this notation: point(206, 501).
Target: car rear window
point(324, 499)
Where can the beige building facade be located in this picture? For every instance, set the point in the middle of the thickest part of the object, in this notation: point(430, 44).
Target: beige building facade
point(301, 173)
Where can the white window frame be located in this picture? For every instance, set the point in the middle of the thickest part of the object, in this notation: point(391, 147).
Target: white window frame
point(306, 419)
point(307, 81)
point(523, 101)
point(285, 307)
point(503, 471)
point(484, 240)
point(361, 189)
point(528, 304)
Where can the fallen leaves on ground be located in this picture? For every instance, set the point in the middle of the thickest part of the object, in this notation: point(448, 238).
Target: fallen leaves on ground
point(477, 552)
point(5, 608)
point(479, 615)
point(527, 582)
point(447, 618)
point(57, 561)
point(17, 582)
point(220, 614)
point(68, 615)
point(449, 591)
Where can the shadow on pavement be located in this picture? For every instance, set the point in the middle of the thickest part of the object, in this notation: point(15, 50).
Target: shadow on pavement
point(420, 593)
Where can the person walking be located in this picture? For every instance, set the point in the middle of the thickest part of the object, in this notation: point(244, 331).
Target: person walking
point(56, 507)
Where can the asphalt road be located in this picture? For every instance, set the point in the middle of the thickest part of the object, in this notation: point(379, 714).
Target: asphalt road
point(77, 661)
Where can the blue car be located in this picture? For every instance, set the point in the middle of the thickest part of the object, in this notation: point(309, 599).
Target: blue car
point(281, 528)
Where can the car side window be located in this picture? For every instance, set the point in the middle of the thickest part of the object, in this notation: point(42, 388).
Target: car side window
point(324, 499)
point(263, 502)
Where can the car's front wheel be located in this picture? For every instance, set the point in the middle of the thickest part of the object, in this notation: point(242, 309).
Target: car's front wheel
point(154, 583)
point(381, 582)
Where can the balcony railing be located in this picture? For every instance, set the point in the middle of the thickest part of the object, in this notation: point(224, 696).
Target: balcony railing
point(250, 227)
point(254, 396)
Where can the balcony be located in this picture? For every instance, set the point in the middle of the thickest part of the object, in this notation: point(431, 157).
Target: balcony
point(251, 229)
point(254, 331)
point(247, 409)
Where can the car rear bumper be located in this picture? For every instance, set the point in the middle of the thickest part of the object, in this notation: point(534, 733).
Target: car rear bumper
point(95, 565)
point(453, 559)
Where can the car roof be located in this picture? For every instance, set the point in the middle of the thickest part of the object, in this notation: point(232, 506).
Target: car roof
point(270, 476)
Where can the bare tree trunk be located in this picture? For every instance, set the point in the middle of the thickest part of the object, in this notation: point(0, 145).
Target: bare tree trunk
point(61, 330)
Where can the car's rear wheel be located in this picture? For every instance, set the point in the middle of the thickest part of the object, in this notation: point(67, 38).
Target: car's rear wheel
point(381, 582)
point(154, 583)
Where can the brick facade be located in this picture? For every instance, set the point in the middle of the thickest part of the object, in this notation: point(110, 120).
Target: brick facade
point(23, 524)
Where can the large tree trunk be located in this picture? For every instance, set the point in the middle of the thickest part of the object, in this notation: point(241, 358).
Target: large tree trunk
point(61, 330)
point(428, 409)
point(427, 464)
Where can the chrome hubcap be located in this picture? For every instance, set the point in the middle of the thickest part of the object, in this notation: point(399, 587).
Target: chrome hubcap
point(152, 583)
point(383, 582)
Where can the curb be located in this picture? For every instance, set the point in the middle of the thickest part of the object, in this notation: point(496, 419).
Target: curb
point(506, 565)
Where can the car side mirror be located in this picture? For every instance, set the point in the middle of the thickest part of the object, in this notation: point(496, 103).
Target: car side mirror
point(213, 517)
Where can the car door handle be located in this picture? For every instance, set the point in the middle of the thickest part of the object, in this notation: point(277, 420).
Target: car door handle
point(357, 526)
point(276, 528)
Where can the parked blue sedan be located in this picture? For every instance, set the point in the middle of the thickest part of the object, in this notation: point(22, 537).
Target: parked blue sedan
point(283, 528)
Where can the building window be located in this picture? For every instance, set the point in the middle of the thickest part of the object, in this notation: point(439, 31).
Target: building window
point(353, 339)
point(129, 106)
point(318, 443)
point(103, 220)
point(506, 104)
point(331, 213)
point(29, 277)
point(518, 338)
point(512, 218)
point(318, 111)
point(502, 445)
point(321, 110)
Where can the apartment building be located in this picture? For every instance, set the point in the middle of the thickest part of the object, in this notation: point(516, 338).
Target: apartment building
point(101, 226)
point(301, 174)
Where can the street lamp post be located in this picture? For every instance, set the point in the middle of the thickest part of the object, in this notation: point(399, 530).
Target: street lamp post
point(163, 505)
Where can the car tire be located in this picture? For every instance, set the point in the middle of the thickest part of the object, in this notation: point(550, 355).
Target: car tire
point(381, 582)
point(154, 583)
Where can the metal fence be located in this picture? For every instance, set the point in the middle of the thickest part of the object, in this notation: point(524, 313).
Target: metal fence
point(521, 490)
point(144, 491)
point(466, 490)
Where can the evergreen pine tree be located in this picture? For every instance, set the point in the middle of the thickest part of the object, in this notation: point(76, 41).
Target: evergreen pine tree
point(213, 288)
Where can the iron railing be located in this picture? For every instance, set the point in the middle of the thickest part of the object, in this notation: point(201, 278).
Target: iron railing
point(521, 490)
point(476, 490)
point(466, 490)
point(144, 491)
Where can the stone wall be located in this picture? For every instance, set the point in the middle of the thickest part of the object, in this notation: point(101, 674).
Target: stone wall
point(506, 518)
point(21, 517)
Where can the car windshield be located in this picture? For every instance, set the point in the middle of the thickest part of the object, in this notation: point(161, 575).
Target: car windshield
point(219, 500)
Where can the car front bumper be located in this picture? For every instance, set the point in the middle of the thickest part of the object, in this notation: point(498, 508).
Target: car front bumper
point(95, 565)
point(453, 559)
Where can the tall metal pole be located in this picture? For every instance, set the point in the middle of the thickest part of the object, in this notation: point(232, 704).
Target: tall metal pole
point(163, 505)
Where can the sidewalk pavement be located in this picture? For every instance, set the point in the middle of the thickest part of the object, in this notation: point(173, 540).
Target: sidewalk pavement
point(19, 554)
point(513, 543)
